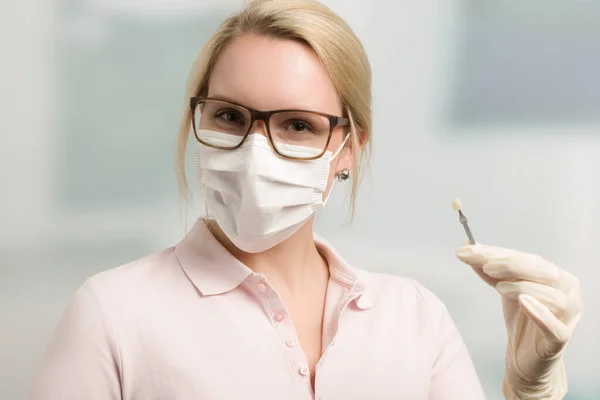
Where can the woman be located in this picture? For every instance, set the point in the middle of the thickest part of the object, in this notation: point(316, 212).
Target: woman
point(250, 304)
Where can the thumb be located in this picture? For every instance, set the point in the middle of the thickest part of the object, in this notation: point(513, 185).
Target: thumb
point(466, 255)
point(555, 334)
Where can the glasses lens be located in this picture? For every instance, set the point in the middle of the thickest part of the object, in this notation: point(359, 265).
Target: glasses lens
point(308, 130)
point(229, 121)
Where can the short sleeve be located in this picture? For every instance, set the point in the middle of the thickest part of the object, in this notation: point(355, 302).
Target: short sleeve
point(82, 360)
point(453, 374)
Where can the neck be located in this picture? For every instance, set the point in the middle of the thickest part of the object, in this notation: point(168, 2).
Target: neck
point(289, 266)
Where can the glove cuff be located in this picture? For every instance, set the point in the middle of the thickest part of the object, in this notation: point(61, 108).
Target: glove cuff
point(552, 387)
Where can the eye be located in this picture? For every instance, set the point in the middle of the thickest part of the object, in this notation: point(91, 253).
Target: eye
point(300, 126)
point(230, 116)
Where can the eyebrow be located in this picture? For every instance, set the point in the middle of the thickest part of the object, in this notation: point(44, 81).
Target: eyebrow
point(226, 98)
point(231, 100)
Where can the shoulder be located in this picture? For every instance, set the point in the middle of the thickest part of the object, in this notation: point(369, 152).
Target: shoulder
point(403, 296)
point(384, 289)
point(388, 286)
point(135, 283)
point(140, 270)
point(99, 325)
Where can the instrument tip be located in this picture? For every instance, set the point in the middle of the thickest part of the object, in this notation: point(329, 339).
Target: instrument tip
point(457, 205)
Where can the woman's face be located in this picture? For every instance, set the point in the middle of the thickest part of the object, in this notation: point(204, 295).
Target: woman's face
point(272, 74)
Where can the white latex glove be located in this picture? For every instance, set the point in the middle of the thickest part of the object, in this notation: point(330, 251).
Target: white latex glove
point(541, 305)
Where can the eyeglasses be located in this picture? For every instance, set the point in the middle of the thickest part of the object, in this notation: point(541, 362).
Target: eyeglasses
point(309, 129)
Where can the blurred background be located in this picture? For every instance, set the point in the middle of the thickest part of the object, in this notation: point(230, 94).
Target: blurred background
point(496, 102)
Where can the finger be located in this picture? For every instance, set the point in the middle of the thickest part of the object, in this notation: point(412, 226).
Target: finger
point(478, 254)
point(487, 279)
point(568, 282)
point(466, 255)
point(522, 266)
point(550, 297)
point(556, 333)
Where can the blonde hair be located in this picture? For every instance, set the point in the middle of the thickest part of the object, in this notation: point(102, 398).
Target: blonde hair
point(309, 22)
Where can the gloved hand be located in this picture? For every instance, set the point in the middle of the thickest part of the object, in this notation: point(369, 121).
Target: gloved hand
point(541, 305)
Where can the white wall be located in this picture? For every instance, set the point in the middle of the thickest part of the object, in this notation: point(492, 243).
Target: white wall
point(534, 188)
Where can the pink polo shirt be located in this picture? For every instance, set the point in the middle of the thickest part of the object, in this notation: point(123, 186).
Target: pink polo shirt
point(192, 322)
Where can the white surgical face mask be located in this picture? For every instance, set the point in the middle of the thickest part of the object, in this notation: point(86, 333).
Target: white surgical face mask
point(258, 198)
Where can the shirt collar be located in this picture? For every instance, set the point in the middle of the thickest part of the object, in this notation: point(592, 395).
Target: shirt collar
point(356, 280)
point(213, 270)
point(210, 267)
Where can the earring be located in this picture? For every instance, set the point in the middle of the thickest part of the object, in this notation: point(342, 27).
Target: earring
point(343, 175)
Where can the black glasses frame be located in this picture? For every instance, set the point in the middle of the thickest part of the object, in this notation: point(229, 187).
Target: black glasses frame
point(265, 116)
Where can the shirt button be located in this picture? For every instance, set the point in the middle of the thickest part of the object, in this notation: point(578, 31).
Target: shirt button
point(262, 287)
point(304, 370)
point(279, 317)
point(290, 343)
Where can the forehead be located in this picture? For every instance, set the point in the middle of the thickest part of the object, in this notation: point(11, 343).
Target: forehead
point(268, 74)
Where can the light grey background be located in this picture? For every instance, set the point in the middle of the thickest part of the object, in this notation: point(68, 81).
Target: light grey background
point(495, 102)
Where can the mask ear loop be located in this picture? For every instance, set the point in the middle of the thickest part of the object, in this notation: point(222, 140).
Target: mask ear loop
point(333, 158)
point(341, 147)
